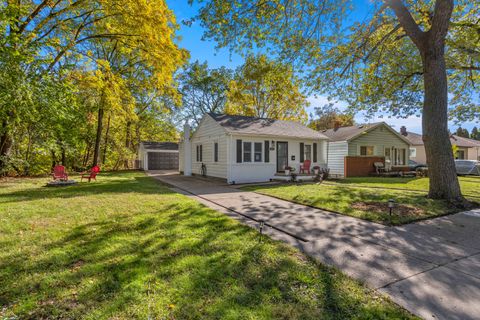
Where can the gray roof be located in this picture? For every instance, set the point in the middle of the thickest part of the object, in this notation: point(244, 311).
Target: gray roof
point(416, 139)
point(265, 127)
point(160, 145)
point(347, 133)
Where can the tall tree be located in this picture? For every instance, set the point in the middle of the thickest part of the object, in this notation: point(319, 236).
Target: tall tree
point(267, 89)
point(475, 134)
point(203, 90)
point(461, 132)
point(327, 117)
point(39, 38)
point(398, 59)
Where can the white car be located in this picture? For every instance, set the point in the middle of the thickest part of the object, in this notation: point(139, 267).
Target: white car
point(467, 167)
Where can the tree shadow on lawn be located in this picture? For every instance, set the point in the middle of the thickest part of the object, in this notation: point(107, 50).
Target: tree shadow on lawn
point(145, 185)
point(185, 263)
point(343, 200)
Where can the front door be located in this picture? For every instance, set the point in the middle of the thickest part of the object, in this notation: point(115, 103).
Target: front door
point(282, 156)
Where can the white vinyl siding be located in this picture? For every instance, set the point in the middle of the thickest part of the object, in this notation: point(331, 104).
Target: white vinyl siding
point(207, 134)
point(336, 157)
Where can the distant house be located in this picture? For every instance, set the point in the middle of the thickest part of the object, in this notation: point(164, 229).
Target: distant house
point(468, 149)
point(353, 150)
point(244, 149)
point(158, 155)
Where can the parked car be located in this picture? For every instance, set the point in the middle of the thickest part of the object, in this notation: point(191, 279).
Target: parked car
point(467, 167)
point(413, 165)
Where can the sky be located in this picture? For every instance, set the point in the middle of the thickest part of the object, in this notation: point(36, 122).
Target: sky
point(191, 39)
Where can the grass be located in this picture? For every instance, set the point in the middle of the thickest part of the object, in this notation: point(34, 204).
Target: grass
point(127, 247)
point(470, 185)
point(366, 198)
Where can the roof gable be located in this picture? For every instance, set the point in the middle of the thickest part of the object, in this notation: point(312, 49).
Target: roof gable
point(235, 124)
point(352, 132)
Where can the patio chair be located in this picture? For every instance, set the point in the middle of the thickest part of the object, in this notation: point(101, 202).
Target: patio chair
point(379, 167)
point(305, 167)
point(92, 174)
point(59, 173)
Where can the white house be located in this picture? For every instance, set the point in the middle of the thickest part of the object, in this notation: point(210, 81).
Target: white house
point(353, 150)
point(244, 149)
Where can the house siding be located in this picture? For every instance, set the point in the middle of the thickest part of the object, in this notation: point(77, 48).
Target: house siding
point(207, 133)
point(336, 157)
point(379, 138)
point(247, 172)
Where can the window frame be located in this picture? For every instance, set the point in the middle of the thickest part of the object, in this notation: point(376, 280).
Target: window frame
point(249, 152)
point(366, 151)
point(256, 152)
point(215, 151)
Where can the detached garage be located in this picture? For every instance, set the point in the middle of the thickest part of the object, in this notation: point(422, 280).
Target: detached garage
point(158, 155)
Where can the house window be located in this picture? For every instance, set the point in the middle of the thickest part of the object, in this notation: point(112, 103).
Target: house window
point(258, 152)
point(387, 153)
point(247, 152)
point(366, 150)
point(307, 152)
point(215, 151)
point(199, 153)
point(460, 154)
point(413, 152)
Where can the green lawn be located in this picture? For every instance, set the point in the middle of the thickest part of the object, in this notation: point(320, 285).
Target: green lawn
point(367, 198)
point(470, 185)
point(127, 247)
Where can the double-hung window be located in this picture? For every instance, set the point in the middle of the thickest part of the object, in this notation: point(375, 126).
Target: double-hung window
point(199, 152)
point(247, 152)
point(257, 152)
point(215, 151)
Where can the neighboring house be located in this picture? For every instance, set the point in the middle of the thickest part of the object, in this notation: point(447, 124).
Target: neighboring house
point(247, 149)
point(353, 150)
point(467, 149)
point(158, 155)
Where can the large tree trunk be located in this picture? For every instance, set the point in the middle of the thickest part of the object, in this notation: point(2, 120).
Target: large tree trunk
point(441, 166)
point(128, 141)
point(96, 150)
point(431, 45)
point(105, 147)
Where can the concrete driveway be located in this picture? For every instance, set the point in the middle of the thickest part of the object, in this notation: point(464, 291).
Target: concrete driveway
point(432, 268)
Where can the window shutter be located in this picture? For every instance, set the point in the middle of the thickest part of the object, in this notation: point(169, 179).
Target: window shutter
point(198, 153)
point(314, 152)
point(201, 153)
point(302, 152)
point(239, 151)
point(215, 150)
point(267, 151)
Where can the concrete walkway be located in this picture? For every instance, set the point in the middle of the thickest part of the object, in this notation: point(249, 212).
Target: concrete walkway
point(432, 268)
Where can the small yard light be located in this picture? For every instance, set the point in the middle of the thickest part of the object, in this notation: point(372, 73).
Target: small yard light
point(391, 204)
point(261, 224)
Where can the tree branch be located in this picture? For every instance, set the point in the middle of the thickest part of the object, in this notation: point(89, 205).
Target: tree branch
point(407, 22)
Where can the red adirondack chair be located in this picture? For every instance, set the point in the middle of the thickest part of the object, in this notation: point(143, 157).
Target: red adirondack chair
point(305, 168)
point(92, 174)
point(59, 173)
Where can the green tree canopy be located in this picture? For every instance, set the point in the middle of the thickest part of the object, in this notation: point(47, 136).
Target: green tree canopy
point(203, 90)
point(267, 89)
point(327, 117)
point(405, 57)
